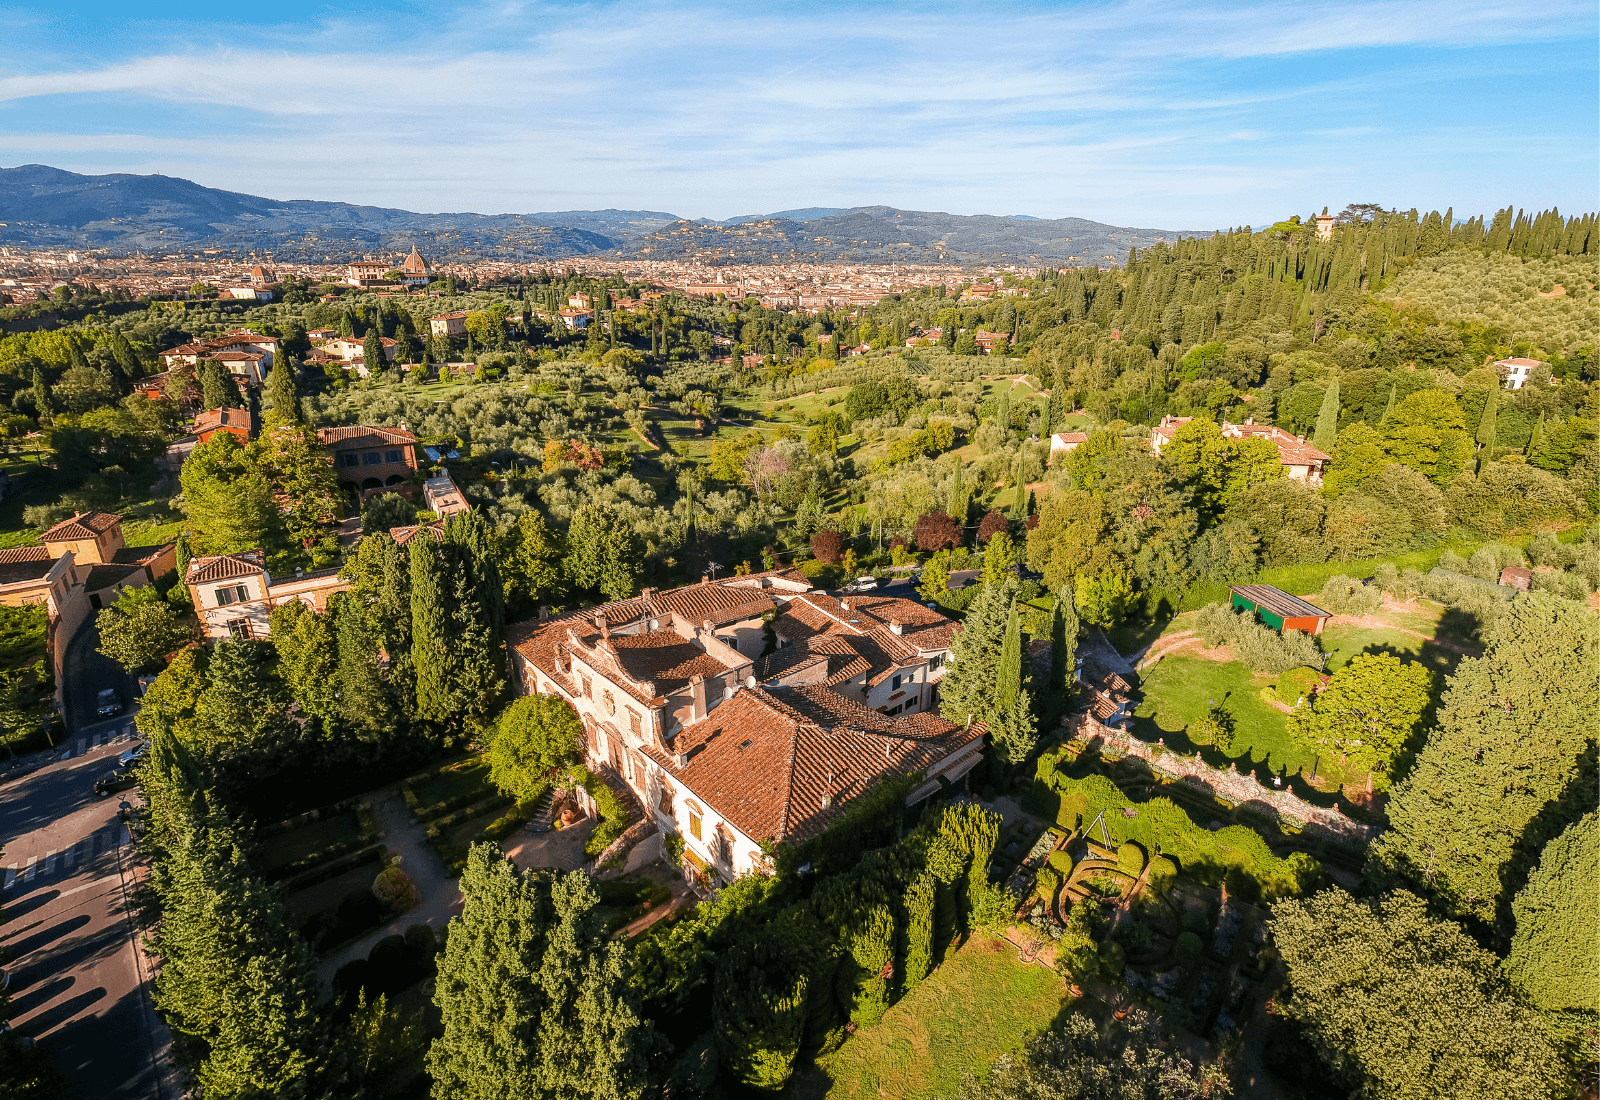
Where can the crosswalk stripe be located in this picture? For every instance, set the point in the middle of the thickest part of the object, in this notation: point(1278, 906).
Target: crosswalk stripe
point(11, 876)
point(82, 745)
point(49, 861)
point(28, 874)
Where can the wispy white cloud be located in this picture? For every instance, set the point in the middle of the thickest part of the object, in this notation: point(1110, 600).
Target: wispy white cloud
point(1115, 110)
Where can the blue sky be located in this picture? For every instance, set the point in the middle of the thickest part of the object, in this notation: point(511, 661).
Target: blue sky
point(1153, 113)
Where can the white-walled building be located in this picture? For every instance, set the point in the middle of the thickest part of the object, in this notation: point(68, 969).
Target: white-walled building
point(729, 748)
point(233, 594)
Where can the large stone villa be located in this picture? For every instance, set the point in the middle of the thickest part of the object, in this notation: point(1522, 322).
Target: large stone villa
point(729, 745)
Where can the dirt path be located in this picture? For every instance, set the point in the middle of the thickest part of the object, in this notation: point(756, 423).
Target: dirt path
point(1161, 647)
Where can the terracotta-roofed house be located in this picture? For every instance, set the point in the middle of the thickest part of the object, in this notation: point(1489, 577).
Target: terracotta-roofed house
point(449, 324)
point(103, 563)
point(1062, 442)
point(233, 594)
point(238, 422)
point(367, 457)
point(726, 746)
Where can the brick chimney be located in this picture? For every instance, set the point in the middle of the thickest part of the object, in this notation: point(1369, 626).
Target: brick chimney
point(697, 698)
point(845, 604)
point(895, 627)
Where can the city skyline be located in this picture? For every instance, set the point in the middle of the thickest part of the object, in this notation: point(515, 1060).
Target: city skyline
point(1133, 114)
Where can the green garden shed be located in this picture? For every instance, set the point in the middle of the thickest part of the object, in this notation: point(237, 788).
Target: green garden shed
point(1277, 608)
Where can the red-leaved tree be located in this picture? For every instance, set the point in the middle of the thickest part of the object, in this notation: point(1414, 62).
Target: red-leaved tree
point(827, 547)
point(936, 531)
point(990, 525)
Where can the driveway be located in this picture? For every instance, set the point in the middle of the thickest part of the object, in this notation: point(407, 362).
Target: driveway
point(558, 849)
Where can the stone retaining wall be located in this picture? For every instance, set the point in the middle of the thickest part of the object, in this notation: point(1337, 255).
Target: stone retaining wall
point(1230, 785)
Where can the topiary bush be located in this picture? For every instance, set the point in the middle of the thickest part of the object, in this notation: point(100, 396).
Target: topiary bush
point(1130, 859)
point(1163, 872)
point(1196, 921)
point(1186, 951)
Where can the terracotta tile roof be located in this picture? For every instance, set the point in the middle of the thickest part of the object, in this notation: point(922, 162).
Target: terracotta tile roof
point(85, 525)
point(224, 567)
point(922, 629)
point(25, 563)
point(783, 764)
point(664, 658)
point(139, 555)
point(404, 535)
point(221, 418)
point(363, 435)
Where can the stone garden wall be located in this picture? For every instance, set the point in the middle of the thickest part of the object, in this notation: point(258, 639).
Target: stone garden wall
point(1229, 785)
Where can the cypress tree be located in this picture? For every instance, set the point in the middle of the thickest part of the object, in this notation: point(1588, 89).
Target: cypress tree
point(283, 392)
point(919, 946)
point(218, 390)
point(433, 652)
point(1063, 643)
point(1008, 678)
point(1328, 418)
point(1554, 955)
point(372, 352)
point(535, 1001)
point(1486, 422)
point(1389, 408)
point(363, 700)
point(1536, 440)
point(1468, 821)
point(41, 395)
point(957, 506)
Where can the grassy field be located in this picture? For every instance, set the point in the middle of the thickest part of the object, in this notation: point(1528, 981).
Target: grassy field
point(975, 1007)
point(1180, 689)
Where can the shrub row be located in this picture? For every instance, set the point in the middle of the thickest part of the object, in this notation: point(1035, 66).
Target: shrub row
point(333, 868)
point(429, 811)
point(321, 813)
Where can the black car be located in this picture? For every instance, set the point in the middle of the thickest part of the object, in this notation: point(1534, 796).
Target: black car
point(107, 703)
point(117, 779)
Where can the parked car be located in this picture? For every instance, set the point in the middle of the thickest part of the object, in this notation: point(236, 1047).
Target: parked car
point(862, 584)
point(107, 703)
point(133, 755)
point(117, 779)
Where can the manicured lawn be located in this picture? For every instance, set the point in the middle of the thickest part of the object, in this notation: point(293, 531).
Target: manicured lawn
point(959, 1020)
point(1344, 642)
point(1177, 690)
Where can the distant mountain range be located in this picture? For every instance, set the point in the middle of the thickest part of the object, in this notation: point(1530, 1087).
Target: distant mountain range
point(44, 207)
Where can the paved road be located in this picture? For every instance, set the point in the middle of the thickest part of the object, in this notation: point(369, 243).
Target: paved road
point(76, 974)
point(86, 673)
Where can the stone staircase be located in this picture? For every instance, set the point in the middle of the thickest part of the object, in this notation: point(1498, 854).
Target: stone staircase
point(544, 815)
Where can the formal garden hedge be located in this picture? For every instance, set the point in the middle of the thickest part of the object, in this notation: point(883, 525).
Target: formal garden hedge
point(1235, 856)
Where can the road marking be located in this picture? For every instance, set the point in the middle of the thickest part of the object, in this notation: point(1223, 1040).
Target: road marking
point(28, 874)
point(11, 876)
point(49, 861)
point(125, 837)
point(82, 746)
